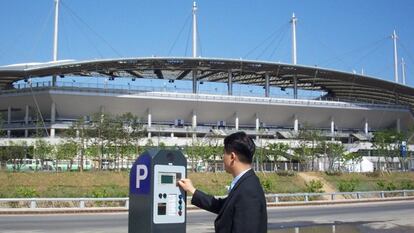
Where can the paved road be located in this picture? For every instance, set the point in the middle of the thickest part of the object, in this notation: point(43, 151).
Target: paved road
point(364, 218)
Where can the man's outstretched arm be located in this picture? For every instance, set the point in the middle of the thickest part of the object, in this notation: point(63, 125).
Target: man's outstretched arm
point(200, 199)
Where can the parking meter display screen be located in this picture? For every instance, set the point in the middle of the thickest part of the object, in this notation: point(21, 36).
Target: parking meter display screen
point(167, 179)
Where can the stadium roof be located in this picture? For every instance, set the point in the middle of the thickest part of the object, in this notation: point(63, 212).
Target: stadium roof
point(336, 84)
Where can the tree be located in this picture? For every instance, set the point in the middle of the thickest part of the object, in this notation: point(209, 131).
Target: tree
point(194, 151)
point(335, 152)
point(18, 152)
point(66, 151)
point(42, 150)
point(113, 136)
point(276, 150)
point(134, 129)
point(80, 132)
point(314, 137)
point(302, 153)
point(130, 133)
point(387, 145)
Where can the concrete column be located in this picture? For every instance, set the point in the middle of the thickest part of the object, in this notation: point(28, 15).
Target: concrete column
point(195, 81)
point(295, 87)
point(194, 120)
point(257, 130)
point(332, 129)
point(9, 121)
point(236, 121)
point(399, 125)
point(172, 135)
point(366, 126)
point(26, 121)
point(267, 85)
point(230, 83)
point(149, 122)
point(194, 124)
point(52, 119)
point(295, 124)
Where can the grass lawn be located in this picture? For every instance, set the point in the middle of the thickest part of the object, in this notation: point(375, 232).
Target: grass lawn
point(115, 184)
point(374, 181)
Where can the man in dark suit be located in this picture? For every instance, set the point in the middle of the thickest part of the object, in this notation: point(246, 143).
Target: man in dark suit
point(244, 209)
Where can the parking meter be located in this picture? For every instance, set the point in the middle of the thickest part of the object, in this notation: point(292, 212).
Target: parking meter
point(156, 203)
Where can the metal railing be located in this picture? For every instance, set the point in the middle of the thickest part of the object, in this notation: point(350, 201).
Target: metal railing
point(309, 197)
point(123, 202)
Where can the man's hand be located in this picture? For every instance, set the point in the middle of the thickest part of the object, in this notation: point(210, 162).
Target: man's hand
point(187, 185)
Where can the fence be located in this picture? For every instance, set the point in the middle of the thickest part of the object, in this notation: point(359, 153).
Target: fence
point(123, 203)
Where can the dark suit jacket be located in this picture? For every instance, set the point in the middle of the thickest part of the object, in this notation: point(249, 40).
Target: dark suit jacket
point(242, 211)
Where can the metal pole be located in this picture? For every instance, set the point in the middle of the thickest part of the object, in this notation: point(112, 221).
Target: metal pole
point(55, 38)
point(194, 29)
point(293, 21)
point(294, 58)
point(395, 37)
point(403, 70)
point(194, 45)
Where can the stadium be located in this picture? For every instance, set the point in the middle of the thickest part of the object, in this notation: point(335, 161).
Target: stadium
point(345, 107)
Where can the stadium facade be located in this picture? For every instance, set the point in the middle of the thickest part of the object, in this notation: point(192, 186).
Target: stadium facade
point(350, 108)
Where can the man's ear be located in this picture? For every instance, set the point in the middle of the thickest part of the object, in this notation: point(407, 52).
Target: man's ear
point(233, 156)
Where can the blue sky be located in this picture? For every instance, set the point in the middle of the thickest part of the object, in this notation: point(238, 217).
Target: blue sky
point(343, 35)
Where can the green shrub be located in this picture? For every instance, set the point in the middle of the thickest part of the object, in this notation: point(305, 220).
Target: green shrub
point(390, 186)
point(348, 185)
point(381, 185)
point(99, 193)
point(314, 186)
point(267, 184)
point(109, 191)
point(407, 184)
point(286, 173)
point(25, 192)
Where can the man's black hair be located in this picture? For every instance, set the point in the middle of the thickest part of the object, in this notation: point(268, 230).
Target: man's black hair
point(242, 145)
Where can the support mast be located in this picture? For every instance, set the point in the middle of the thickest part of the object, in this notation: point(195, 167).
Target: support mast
point(403, 70)
point(293, 21)
point(194, 29)
point(55, 37)
point(294, 58)
point(395, 37)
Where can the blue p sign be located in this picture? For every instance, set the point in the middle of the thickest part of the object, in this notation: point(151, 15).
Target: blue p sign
point(140, 181)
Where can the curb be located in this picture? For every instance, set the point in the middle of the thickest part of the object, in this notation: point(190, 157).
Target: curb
point(28, 211)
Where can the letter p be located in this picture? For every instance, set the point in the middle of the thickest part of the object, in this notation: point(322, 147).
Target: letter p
point(142, 176)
